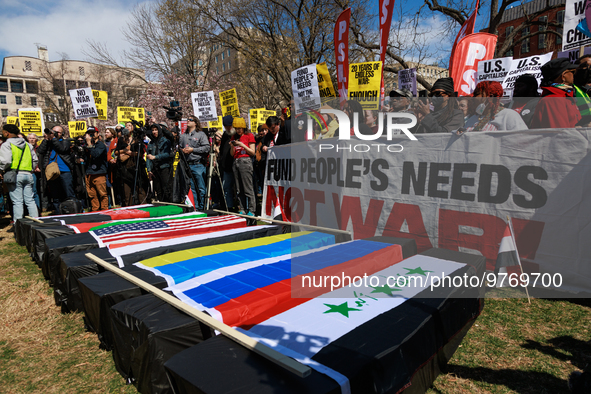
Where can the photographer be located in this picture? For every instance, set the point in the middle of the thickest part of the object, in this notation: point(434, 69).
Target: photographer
point(96, 170)
point(57, 166)
point(132, 167)
point(195, 146)
point(159, 164)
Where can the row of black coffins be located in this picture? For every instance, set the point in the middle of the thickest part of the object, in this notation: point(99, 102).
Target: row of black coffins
point(384, 337)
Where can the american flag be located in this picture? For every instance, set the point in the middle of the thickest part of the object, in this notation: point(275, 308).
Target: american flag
point(124, 234)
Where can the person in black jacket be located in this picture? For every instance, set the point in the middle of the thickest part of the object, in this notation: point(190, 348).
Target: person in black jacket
point(277, 135)
point(55, 149)
point(159, 164)
point(96, 170)
point(226, 161)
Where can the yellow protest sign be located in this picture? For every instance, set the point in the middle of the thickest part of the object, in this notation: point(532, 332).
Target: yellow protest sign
point(126, 114)
point(217, 124)
point(12, 120)
point(364, 83)
point(77, 128)
point(264, 114)
point(100, 100)
point(31, 121)
point(324, 81)
point(229, 103)
point(254, 118)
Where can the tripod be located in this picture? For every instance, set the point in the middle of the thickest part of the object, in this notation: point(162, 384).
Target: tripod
point(213, 169)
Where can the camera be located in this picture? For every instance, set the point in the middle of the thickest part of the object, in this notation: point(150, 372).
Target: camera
point(174, 111)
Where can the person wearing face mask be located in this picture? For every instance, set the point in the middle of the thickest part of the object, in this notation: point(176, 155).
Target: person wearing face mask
point(446, 116)
point(525, 97)
point(557, 109)
point(490, 114)
point(582, 89)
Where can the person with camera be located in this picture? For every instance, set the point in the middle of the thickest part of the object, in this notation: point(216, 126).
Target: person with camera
point(57, 166)
point(96, 170)
point(17, 162)
point(195, 146)
point(242, 150)
point(159, 164)
point(132, 167)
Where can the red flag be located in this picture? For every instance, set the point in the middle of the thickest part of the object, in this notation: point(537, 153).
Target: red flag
point(469, 51)
point(467, 28)
point(386, 11)
point(341, 51)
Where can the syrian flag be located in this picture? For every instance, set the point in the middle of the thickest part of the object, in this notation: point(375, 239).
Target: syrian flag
point(142, 232)
point(508, 263)
point(181, 266)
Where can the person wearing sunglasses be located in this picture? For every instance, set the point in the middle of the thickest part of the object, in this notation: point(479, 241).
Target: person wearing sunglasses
point(557, 109)
point(445, 116)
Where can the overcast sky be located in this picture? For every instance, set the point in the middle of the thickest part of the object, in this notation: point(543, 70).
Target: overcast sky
point(61, 25)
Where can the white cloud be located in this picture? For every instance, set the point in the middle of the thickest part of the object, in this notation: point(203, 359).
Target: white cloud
point(63, 26)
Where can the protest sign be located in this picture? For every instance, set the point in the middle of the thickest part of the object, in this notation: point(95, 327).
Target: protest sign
point(264, 114)
point(216, 124)
point(100, 100)
point(527, 65)
point(229, 103)
point(253, 119)
point(12, 120)
point(77, 128)
point(204, 106)
point(126, 114)
point(83, 103)
point(304, 86)
point(468, 52)
point(324, 81)
point(31, 121)
point(573, 54)
point(447, 192)
point(407, 79)
point(364, 83)
point(574, 13)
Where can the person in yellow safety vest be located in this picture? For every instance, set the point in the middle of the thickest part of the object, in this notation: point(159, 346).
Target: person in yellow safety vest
point(582, 79)
point(19, 156)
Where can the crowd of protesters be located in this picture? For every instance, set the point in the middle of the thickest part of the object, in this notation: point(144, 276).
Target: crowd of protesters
point(121, 167)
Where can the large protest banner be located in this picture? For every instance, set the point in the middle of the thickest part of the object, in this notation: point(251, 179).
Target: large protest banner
point(31, 121)
point(83, 103)
point(101, 101)
point(126, 114)
point(469, 51)
point(574, 13)
point(304, 86)
point(77, 128)
point(448, 191)
point(364, 83)
point(204, 106)
point(229, 103)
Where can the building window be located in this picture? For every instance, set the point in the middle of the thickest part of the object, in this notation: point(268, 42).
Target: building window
point(525, 43)
point(228, 53)
point(200, 63)
point(95, 85)
point(4, 112)
point(223, 55)
point(543, 27)
point(223, 67)
point(31, 87)
point(33, 101)
point(216, 59)
point(58, 87)
point(82, 84)
point(16, 86)
point(19, 100)
point(60, 102)
point(81, 71)
point(217, 70)
point(2, 99)
point(560, 16)
point(70, 84)
point(229, 65)
point(28, 66)
point(3, 85)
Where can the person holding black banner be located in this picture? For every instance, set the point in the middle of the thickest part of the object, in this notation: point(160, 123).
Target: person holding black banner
point(446, 116)
point(195, 146)
point(159, 164)
point(17, 162)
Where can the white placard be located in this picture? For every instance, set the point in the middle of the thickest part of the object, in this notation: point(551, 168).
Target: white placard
point(408, 79)
point(204, 106)
point(304, 85)
point(83, 103)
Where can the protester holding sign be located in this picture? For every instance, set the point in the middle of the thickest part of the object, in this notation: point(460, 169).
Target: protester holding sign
point(242, 149)
point(19, 158)
point(57, 166)
point(446, 116)
point(556, 109)
point(96, 170)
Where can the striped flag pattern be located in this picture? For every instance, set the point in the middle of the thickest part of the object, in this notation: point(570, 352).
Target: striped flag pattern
point(507, 259)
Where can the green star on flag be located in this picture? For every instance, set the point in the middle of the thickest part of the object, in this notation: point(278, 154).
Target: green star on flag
point(384, 289)
point(417, 270)
point(343, 309)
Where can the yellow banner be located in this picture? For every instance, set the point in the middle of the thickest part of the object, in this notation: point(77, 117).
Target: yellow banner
point(31, 121)
point(324, 81)
point(125, 114)
point(217, 124)
point(100, 100)
point(229, 103)
point(12, 120)
point(77, 128)
point(364, 83)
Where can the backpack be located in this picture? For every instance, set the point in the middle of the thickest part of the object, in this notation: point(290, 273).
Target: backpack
point(70, 206)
